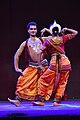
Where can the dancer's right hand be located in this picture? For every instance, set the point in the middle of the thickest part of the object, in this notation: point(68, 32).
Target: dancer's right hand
point(19, 71)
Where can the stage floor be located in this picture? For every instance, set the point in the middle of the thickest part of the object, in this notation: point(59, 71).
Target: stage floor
point(69, 109)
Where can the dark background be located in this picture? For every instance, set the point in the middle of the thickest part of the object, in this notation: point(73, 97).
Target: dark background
point(14, 16)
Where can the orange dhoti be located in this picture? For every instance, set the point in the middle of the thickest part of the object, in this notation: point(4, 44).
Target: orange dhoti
point(49, 79)
point(27, 84)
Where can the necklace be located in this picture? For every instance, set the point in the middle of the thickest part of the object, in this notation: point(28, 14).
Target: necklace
point(35, 44)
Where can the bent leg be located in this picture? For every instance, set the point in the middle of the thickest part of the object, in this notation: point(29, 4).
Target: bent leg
point(61, 86)
point(44, 83)
point(26, 87)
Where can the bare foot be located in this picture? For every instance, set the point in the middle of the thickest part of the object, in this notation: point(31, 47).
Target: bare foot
point(57, 104)
point(15, 102)
point(38, 103)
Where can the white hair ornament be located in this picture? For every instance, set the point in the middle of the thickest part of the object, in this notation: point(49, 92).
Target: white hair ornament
point(55, 25)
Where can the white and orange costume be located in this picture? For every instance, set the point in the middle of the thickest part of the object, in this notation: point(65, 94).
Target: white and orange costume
point(59, 68)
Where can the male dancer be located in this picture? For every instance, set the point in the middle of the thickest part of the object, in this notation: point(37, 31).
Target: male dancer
point(27, 83)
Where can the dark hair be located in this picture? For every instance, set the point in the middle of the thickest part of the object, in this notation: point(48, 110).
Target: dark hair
point(31, 23)
point(55, 31)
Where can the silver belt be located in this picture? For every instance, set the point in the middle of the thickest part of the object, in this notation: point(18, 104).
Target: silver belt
point(35, 64)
